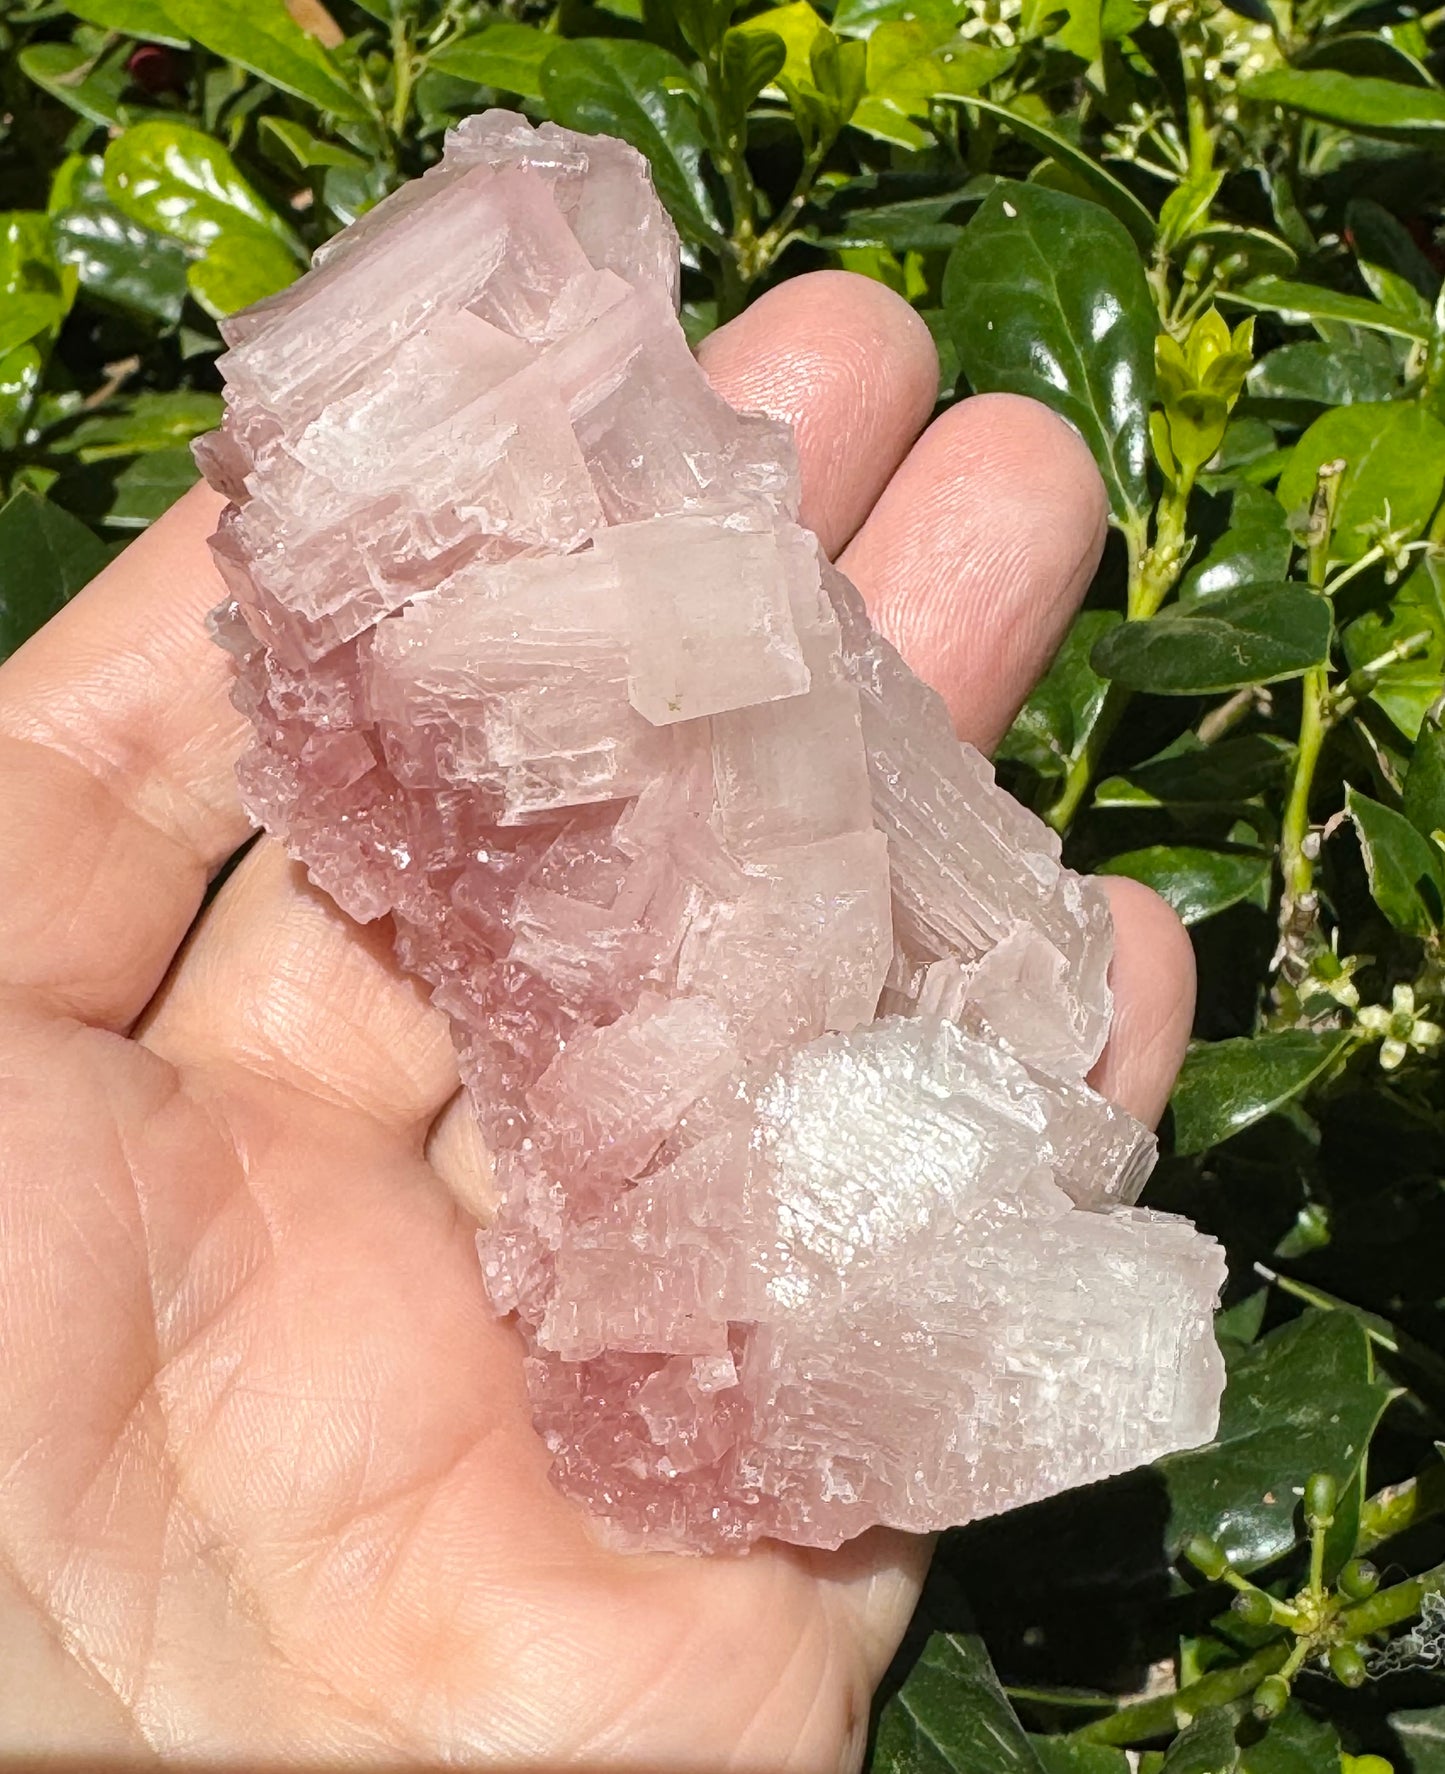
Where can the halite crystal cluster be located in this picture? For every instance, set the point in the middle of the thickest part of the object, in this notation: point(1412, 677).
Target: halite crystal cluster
point(774, 1009)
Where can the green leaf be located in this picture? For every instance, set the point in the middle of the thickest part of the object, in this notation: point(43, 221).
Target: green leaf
point(1422, 1735)
point(1323, 375)
point(35, 293)
point(1102, 186)
point(1226, 1086)
point(46, 556)
point(1053, 726)
point(240, 269)
point(1374, 107)
point(1303, 1399)
point(147, 421)
point(148, 20)
point(119, 263)
point(643, 94)
point(1379, 239)
point(506, 56)
point(1295, 1743)
point(1407, 689)
point(910, 66)
point(1423, 801)
point(1254, 550)
point(1196, 882)
point(1062, 1755)
point(1204, 1746)
point(1254, 634)
point(184, 184)
point(857, 18)
point(1406, 870)
point(751, 60)
point(87, 85)
point(1396, 456)
point(800, 28)
point(148, 487)
point(21, 371)
point(952, 1717)
point(1302, 302)
point(261, 35)
point(1046, 296)
point(301, 148)
point(1192, 774)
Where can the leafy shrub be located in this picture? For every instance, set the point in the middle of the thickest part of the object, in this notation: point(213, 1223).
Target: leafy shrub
point(1206, 233)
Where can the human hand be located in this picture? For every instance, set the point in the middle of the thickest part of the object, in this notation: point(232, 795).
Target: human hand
point(270, 1488)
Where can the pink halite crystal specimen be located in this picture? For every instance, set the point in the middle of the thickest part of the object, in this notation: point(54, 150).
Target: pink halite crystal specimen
point(775, 1010)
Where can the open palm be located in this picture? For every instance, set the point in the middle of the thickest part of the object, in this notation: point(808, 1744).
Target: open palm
point(268, 1486)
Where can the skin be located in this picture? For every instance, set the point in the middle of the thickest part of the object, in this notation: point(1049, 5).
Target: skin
point(267, 1481)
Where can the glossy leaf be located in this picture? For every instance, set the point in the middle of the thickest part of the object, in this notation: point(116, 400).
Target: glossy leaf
point(1396, 456)
point(506, 56)
point(146, 488)
point(1052, 727)
point(1422, 1734)
point(1198, 883)
point(1303, 1399)
point(1046, 296)
point(1302, 302)
point(643, 94)
point(1226, 1086)
point(149, 20)
point(301, 147)
point(240, 269)
point(952, 1717)
point(184, 184)
point(46, 556)
point(750, 61)
point(1407, 689)
point(1405, 869)
point(21, 371)
point(148, 421)
point(1323, 375)
point(1102, 186)
point(1205, 1746)
point(857, 18)
point(1254, 550)
point(1255, 634)
point(1423, 802)
point(261, 35)
point(92, 88)
point(1295, 1743)
point(118, 262)
point(911, 66)
point(1372, 106)
point(1378, 238)
point(1193, 774)
point(1063, 1755)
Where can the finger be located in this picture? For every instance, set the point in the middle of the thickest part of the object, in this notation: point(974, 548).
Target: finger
point(854, 371)
point(117, 788)
point(279, 981)
point(842, 357)
point(1152, 977)
point(978, 553)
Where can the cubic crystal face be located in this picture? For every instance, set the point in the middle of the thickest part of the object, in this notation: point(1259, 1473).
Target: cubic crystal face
point(775, 1011)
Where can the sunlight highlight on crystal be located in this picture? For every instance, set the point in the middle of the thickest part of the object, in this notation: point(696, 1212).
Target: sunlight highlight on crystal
point(774, 1009)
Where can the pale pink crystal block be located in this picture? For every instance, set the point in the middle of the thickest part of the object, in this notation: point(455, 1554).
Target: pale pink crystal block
point(774, 1008)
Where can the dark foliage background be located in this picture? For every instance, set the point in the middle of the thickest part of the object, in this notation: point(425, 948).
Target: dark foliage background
point(1210, 234)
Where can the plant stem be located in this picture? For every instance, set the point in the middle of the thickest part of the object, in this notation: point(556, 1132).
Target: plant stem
point(1168, 1713)
point(401, 61)
point(1153, 573)
point(1298, 906)
point(1401, 1506)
